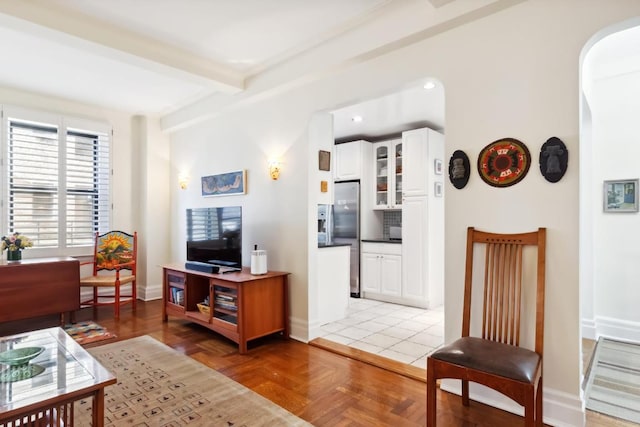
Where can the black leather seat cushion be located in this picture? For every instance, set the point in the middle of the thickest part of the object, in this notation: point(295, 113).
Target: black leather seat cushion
point(492, 357)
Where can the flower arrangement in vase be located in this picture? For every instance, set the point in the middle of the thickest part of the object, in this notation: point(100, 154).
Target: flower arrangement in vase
point(14, 244)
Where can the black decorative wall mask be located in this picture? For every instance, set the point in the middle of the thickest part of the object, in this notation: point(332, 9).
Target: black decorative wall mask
point(459, 169)
point(554, 158)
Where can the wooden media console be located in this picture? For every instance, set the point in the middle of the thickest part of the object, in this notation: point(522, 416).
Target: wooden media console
point(241, 307)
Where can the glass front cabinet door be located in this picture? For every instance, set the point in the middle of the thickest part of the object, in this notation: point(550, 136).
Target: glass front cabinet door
point(388, 171)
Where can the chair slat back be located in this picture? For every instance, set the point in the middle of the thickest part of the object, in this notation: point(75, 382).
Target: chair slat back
point(503, 284)
point(113, 249)
point(502, 290)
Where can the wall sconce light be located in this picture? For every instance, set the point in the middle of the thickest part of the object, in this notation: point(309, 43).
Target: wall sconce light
point(183, 180)
point(274, 169)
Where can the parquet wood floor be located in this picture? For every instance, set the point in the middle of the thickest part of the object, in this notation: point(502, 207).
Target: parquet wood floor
point(320, 386)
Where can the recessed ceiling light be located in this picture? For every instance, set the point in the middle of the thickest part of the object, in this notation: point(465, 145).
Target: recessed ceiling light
point(356, 119)
point(429, 85)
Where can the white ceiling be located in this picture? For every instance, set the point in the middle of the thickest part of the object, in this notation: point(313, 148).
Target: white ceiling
point(178, 58)
point(392, 114)
point(155, 56)
point(159, 57)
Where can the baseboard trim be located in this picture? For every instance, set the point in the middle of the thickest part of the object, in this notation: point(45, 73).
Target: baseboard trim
point(589, 329)
point(150, 292)
point(298, 329)
point(560, 409)
point(618, 329)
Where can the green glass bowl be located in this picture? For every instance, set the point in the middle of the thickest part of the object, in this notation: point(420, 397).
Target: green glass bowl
point(19, 356)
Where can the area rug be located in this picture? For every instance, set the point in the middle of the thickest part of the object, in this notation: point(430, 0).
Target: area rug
point(157, 386)
point(87, 332)
point(613, 380)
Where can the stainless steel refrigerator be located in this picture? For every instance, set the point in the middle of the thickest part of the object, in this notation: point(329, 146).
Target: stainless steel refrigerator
point(346, 226)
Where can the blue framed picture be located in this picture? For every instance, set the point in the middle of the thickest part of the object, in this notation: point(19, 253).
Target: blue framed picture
point(225, 184)
point(620, 195)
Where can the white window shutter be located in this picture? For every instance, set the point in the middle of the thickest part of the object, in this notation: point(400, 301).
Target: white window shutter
point(57, 181)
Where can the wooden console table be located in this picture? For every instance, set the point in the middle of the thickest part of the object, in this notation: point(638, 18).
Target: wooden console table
point(242, 306)
point(39, 287)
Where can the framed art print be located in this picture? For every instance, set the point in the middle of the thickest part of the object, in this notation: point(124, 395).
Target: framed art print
point(225, 184)
point(437, 189)
point(620, 196)
point(437, 166)
point(324, 160)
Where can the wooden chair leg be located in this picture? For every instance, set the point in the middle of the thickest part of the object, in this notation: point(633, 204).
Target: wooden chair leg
point(134, 292)
point(117, 301)
point(539, 404)
point(465, 392)
point(95, 302)
point(431, 395)
point(529, 408)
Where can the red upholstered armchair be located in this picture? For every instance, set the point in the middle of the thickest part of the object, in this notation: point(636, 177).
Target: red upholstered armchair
point(114, 266)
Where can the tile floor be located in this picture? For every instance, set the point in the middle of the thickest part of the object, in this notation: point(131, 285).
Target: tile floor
point(405, 334)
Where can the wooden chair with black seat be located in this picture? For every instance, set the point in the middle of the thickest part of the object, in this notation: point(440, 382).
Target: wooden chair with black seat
point(114, 252)
point(496, 359)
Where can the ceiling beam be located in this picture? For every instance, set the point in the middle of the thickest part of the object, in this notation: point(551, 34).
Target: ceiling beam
point(439, 3)
point(43, 19)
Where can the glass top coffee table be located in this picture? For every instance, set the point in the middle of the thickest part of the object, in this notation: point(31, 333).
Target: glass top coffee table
point(42, 373)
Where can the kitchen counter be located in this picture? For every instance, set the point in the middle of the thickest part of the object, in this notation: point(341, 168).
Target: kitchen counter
point(382, 240)
point(332, 245)
point(333, 283)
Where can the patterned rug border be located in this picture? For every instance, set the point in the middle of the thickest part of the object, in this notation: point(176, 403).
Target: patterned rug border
point(624, 390)
point(82, 337)
point(149, 392)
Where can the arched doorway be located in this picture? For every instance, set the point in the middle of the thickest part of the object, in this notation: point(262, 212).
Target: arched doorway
point(609, 147)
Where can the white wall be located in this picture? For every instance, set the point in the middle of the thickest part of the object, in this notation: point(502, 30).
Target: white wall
point(615, 105)
point(512, 74)
point(275, 213)
point(151, 196)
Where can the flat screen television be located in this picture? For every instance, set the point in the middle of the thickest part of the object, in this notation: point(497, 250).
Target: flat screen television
point(214, 236)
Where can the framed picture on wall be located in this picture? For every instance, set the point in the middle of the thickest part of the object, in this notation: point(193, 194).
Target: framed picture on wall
point(437, 189)
point(620, 195)
point(324, 160)
point(437, 166)
point(225, 184)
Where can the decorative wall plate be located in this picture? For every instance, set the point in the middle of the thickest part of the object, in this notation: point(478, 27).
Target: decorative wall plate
point(504, 162)
point(459, 169)
point(554, 158)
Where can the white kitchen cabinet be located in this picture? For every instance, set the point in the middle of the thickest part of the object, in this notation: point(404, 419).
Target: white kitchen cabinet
point(352, 161)
point(415, 147)
point(348, 159)
point(388, 170)
point(391, 275)
point(421, 149)
point(415, 252)
point(422, 220)
point(381, 271)
point(370, 273)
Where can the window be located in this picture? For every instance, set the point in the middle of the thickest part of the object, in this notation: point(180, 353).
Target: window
point(56, 181)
